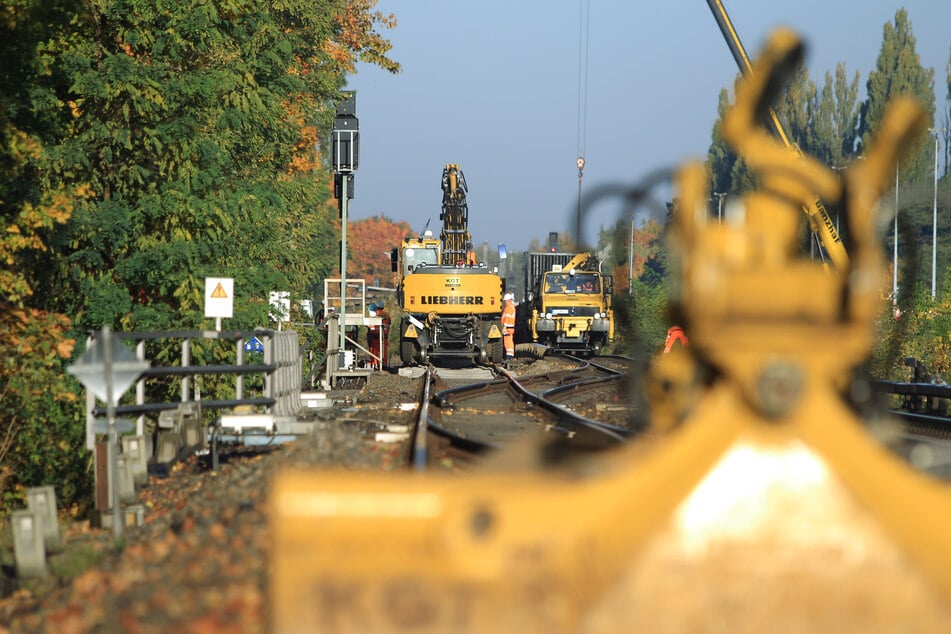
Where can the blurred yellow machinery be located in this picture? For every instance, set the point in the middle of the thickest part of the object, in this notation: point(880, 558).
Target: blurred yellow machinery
point(760, 503)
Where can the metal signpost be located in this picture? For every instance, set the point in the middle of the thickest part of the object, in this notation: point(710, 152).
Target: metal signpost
point(107, 369)
point(346, 156)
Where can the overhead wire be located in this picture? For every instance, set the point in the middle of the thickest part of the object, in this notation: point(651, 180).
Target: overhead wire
point(584, 21)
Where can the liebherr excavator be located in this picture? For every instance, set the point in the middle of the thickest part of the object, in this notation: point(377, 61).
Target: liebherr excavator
point(451, 306)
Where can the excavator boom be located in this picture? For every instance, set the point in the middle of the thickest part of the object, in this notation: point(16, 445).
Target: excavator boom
point(820, 222)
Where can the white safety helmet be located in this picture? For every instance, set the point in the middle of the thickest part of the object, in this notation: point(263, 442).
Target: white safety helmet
point(508, 297)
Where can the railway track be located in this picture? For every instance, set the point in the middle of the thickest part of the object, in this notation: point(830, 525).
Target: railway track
point(464, 422)
point(923, 440)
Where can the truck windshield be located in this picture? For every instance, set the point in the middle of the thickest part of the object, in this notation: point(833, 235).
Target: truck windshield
point(414, 257)
point(577, 283)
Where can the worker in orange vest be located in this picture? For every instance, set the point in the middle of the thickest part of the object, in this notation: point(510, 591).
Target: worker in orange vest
point(674, 334)
point(508, 325)
point(374, 333)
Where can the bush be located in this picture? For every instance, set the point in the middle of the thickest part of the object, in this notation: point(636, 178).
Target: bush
point(42, 422)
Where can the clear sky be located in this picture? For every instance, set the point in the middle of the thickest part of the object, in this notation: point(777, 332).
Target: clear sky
point(493, 85)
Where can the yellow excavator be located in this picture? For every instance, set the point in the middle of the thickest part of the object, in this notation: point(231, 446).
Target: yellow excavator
point(451, 304)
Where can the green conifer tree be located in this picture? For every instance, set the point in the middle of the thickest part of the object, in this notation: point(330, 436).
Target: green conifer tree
point(898, 71)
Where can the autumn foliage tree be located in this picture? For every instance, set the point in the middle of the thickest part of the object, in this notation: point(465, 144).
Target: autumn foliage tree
point(370, 241)
point(145, 145)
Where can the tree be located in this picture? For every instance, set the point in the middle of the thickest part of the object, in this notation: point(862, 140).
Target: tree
point(374, 237)
point(720, 157)
point(641, 305)
point(796, 108)
point(190, 128)
point(37, 401)
point(832, 135)
point(898, 71)
point(147, 145)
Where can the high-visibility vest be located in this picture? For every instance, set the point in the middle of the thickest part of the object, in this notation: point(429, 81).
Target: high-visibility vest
point(508, 315)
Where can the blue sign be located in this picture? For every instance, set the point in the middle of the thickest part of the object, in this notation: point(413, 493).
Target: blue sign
point(254, 345)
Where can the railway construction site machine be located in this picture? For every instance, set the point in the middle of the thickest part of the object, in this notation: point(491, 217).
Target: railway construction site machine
point(569, 301)
point(451, 303)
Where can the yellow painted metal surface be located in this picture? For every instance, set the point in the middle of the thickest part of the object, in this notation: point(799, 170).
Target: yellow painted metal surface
point(458, 292)
point(759, 502)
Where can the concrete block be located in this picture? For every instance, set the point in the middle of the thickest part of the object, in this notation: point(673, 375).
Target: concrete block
point(42, 501)
point(192, 436)
point(126, 482)
point(28, 548)
point(168, 419)
point(135, 449)
point(168, 444)
point(132, 515)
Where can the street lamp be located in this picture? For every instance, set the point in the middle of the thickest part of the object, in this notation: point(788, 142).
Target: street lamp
point(719, 196)
point(934, 221)
point(630, 264)
point(895, 245)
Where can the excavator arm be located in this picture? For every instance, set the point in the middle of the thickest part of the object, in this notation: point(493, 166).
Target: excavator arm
point(454, 215)
point(577, 262)
point(820, 222)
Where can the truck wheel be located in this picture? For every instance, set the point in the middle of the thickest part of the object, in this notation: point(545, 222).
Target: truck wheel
point(495, 351)
point(407, 352)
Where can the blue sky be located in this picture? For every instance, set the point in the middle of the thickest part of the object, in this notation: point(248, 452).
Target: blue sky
point(493, 86)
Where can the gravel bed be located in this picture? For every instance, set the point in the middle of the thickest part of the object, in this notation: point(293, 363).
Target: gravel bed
point(198, 564)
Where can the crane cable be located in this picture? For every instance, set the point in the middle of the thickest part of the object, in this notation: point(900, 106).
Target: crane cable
point(584, 21)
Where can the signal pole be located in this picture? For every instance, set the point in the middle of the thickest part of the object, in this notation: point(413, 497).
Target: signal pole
point(346, 156)
point(895, 248)
point(934, 223)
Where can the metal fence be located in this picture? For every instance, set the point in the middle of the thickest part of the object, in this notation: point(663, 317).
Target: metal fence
point(280, 365)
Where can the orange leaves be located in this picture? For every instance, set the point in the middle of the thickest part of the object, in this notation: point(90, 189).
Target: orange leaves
point(371, 240)
point(24, 232)
point(357, 39)
point(305, 156)
point(65, 347)
point(34, 335)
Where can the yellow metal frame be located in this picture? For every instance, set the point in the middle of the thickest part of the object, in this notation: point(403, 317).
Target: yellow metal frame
point(615, 543)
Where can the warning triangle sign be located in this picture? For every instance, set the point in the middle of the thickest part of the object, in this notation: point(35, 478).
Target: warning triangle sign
point(219, 292)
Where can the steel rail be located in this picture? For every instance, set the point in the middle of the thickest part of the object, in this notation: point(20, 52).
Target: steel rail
point(421, 429)
point(582, 432)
